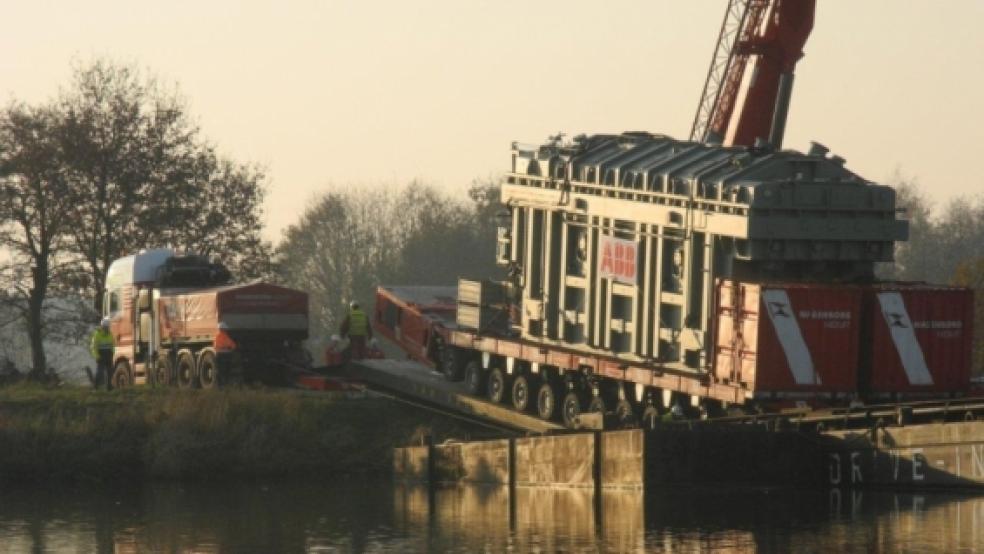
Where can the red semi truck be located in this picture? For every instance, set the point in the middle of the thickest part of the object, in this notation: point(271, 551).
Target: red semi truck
point(176, 319)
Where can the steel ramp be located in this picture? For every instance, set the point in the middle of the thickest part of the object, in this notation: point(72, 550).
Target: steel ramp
point(414, 381)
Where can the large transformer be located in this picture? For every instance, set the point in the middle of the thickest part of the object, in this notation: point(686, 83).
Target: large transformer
point(615, 242)
point(645, 272)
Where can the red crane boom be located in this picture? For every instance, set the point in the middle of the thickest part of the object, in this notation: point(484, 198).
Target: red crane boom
point(774, 33)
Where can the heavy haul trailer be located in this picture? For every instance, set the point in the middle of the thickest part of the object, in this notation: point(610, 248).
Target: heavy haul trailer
point(619, 249)
point(177, 320)
point(775, 343)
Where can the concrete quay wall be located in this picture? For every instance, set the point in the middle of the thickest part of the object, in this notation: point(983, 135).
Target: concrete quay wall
point(944, 454)
point(629, 459)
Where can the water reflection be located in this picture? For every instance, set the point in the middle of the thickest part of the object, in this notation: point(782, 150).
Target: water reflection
point(356, 517)
point(194, 518)
point(691, 520)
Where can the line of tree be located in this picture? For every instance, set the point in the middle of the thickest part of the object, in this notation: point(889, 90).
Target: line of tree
point(351, 240)
point(115, 163)
point(112, 165)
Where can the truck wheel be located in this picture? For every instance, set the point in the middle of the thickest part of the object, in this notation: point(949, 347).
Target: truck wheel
point(451, 362)
point(625, 413)
point(497, 385)
point(186, 370)
point(597, 405)
point(121, 376)
point(521, 393)
point(162, 372)
point(546, 401)
point(571, 408)
point(474, 378)
point(651, 417)
point(208, 371)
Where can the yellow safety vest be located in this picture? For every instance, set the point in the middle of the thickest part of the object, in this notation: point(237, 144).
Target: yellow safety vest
point(358, 324)
point(100, 340)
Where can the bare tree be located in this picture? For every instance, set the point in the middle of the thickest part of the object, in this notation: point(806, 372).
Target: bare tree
point(913, 258)
point(133, 155)
point(444, 238)
point(148, 179)
point(227, 217)
point(939, 239)
point(36, 198)
point(351, 241)
point(959, 235)
point(342, 247)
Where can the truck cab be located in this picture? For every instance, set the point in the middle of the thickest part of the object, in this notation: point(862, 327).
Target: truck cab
point(131, 283)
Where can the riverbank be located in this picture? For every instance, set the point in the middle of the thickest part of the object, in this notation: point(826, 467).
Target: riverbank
point(73, 433)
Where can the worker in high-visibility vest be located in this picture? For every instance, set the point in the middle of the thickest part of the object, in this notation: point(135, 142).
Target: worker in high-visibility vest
point(101, 347)
point(356, 327)
point(675, 413)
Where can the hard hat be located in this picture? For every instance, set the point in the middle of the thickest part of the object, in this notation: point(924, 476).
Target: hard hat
point(104, 323)
point(676, 411)
point(354, 304)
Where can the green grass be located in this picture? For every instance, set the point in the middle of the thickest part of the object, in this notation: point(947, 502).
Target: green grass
point(83, 434)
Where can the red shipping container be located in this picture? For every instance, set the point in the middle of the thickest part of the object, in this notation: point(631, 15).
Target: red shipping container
point(789, 340)
point(921, 339)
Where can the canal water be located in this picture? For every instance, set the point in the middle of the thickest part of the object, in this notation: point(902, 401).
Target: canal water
point(352, 516)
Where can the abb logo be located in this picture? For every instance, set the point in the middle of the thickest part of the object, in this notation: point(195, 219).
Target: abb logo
point(618, 259)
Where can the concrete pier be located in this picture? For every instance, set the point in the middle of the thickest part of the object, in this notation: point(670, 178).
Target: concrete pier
point(630, 459)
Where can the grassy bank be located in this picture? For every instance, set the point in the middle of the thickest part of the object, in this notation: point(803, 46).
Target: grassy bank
point(76, 433)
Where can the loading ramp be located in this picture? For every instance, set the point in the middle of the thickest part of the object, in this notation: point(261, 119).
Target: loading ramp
point(410, 381)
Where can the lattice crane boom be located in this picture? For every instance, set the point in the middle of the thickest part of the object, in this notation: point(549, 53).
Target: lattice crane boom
point(773, 32)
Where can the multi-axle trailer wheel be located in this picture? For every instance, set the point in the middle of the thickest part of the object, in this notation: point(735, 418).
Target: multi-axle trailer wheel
point(553, 394)
point(498, 385)
point(521, 391)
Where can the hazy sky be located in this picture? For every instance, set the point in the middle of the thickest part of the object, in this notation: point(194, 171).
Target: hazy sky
point(337, 93)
